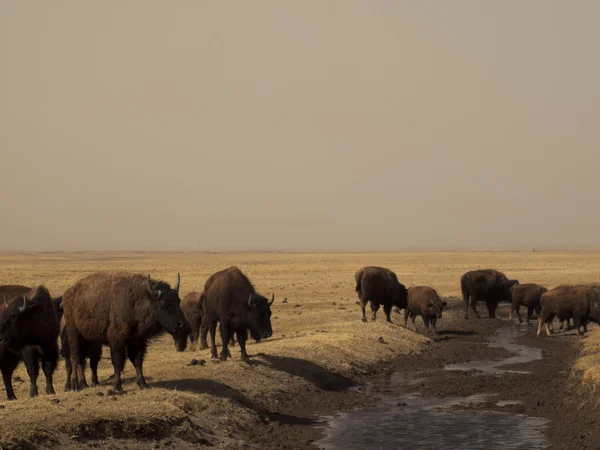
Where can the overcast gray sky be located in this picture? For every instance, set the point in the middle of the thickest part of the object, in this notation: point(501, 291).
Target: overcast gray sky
point(334, 125)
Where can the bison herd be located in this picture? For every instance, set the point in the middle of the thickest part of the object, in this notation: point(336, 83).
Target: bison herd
point(124, 311)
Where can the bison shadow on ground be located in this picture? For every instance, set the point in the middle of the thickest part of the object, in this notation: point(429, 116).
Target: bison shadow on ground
point(319, 376)
point(217, 389)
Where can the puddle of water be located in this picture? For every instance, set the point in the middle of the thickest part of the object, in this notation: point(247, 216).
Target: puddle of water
point(508, 402)
point(423, 423)
point(413, 422)
point(503, 338)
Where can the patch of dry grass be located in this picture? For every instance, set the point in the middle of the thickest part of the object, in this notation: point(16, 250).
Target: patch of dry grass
point(589, 360)
point(318, 336)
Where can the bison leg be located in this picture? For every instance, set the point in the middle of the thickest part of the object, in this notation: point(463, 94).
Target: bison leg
point(213, 337)
point(412, 319)
point(529, 313)
point(49, 362)
point(374, 309)
point(65, 351)
point(231, 340)
point(491, 307)
point(517, 309)
point(32, 364)
point(195, 331)
point(117, 356)
point(433, 321)
point(225, 353)
point(426, 322)
point(95, 356)
point(467, 306)
point(387, 309)
point(540, 324)
point(363, 307)
point(474, 307)
point(78, 350)
point(136, 352)
point(8, 362)
point(242, 336)
point(549, 332)
point(406, 315)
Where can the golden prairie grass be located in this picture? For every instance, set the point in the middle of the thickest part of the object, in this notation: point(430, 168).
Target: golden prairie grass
point(317, 332)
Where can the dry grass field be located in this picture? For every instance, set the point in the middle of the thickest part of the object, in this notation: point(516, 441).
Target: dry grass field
point(318, 340)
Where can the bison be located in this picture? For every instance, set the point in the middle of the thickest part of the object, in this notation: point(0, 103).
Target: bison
point(124, 311)
point(28, 331)
point(424, 301)
point(192, 305)
point(487, 285)
point(527, 295)
point(379, 286)
point(578, 302)
point(231, 300)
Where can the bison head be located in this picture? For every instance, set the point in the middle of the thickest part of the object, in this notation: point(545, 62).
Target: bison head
point(401, 300)
point(17, 320)
point(435, 309)
point(260, 316)
point(165, 305)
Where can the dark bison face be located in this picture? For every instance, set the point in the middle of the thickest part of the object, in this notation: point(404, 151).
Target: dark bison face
point(165, 303)
point(260, 317)
point(16, 321)
point(402, 300)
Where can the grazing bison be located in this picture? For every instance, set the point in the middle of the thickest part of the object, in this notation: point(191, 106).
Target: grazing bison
point(487, 285)
point(527, 295)
point(231, 300)
point(122, 310)
point(424, 301)
point(578, 302)
point(28, 331)
point(379, 286)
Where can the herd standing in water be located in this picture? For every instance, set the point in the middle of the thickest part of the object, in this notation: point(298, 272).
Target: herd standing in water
point(124, 311)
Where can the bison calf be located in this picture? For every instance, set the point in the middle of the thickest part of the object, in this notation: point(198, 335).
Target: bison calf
point(487, 285)
point(124, 311)
point(527, 295)
point(29, 331)
point(424, 301)
point(379, 286)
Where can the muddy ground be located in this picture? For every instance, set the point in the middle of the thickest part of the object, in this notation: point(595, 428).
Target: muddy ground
point(551, 390)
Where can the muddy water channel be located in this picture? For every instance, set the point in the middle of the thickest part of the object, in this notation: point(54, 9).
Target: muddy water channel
point(411, 416)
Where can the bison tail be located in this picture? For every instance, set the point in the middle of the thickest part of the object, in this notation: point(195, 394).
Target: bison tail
point(358, 277)
point(464, 288)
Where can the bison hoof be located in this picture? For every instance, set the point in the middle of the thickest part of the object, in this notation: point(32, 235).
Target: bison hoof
point(223, 357)
point(364, 320)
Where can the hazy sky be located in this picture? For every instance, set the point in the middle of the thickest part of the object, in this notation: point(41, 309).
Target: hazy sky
point(184, 125)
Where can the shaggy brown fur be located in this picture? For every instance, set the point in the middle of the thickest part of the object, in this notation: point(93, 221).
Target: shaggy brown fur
point(424, 301)
point(379, 286)
point(527, 295)
point(191, 305)
point(575, 302)
point(487, 285)
point(122, 310)
point(28, 331)
point(231, 300)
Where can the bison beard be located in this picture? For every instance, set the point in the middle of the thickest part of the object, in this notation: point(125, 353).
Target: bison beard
point(28, 331)
point(124, 311)
point(231, 301)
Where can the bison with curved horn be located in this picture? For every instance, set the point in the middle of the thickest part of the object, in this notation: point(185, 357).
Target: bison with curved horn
point(124, 311)
point(28, 332)
point(231, 300)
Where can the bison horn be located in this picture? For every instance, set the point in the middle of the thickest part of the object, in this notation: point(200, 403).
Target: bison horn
point(177, 283)
point(150, 290)
point(250, 301)
point(272, 299)
point(24, 307)
point(5, 301)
